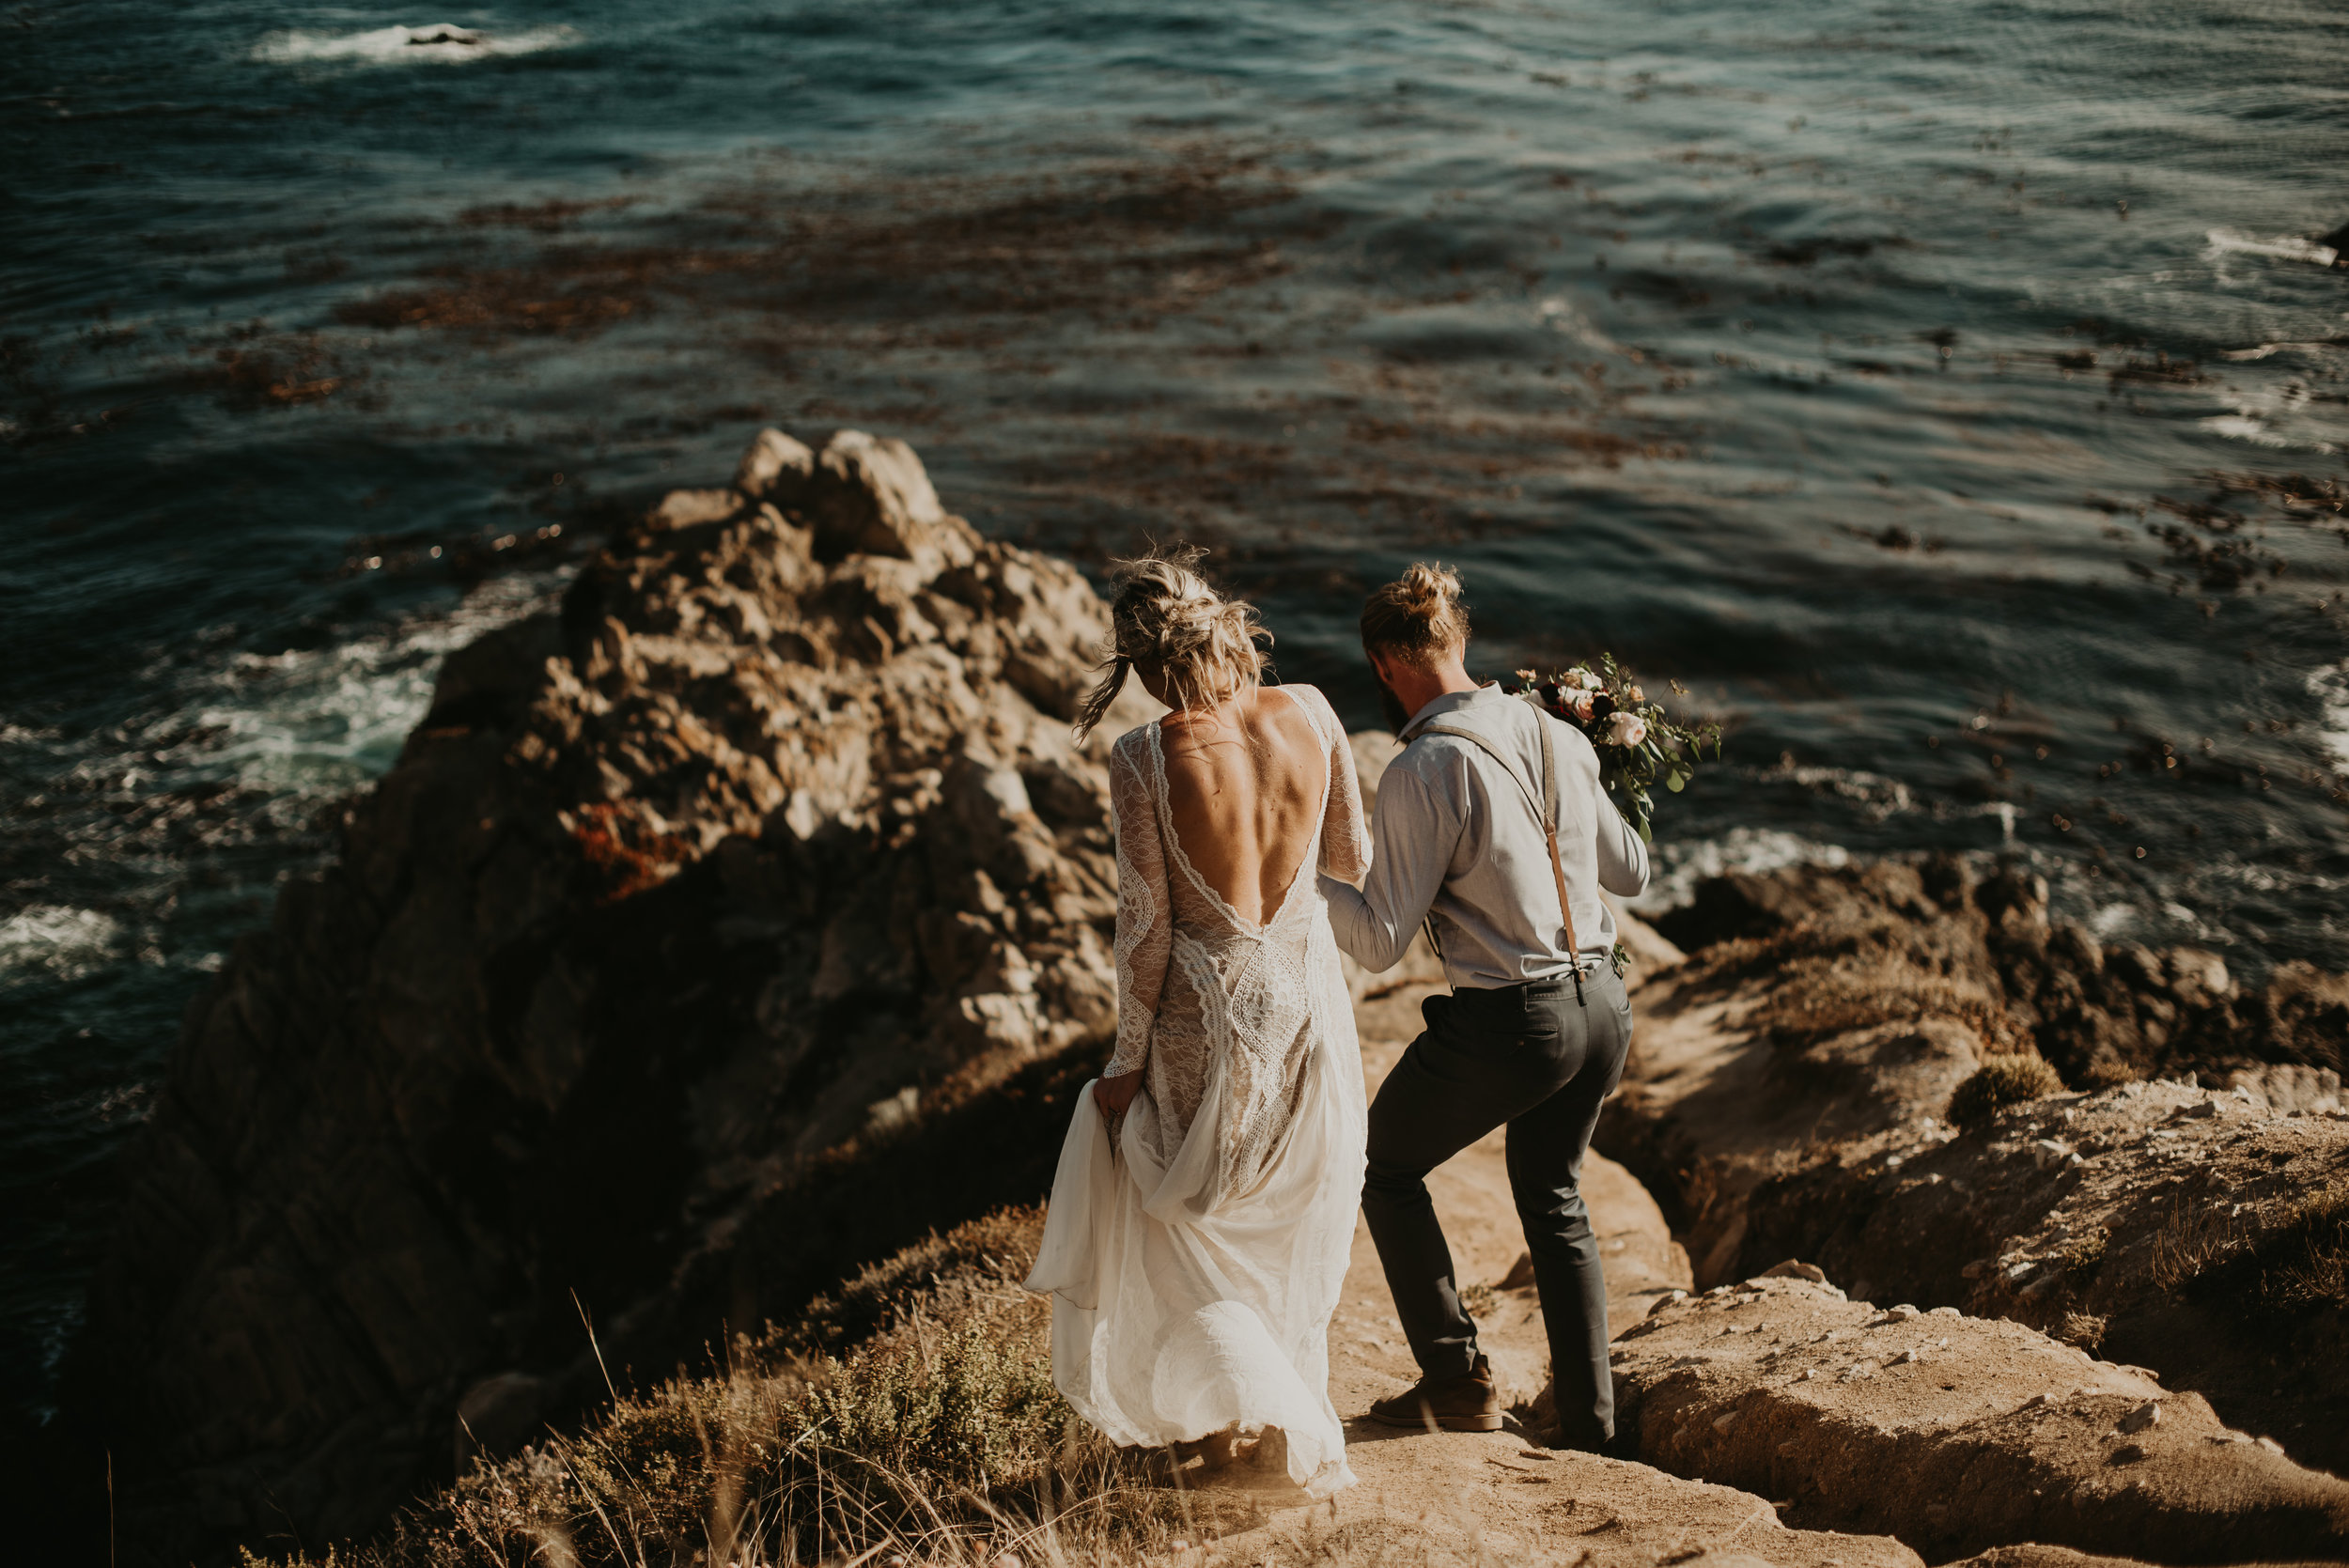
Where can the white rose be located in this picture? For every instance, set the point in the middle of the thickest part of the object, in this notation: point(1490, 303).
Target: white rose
point(1587, 680)
point(1626, 729)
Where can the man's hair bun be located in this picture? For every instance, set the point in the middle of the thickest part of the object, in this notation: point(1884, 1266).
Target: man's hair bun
point(1418, 616)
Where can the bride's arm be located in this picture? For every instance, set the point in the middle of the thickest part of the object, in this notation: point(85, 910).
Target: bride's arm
point(1345, 831)
point(1145, 930)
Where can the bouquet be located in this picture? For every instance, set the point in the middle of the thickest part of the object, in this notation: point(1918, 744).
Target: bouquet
point(1637, 742)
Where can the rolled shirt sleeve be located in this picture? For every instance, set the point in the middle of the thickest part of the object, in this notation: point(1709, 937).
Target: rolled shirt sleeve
point(1415, 833)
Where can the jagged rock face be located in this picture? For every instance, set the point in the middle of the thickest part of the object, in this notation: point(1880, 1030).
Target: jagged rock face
point(2100, 1015)
point(1955, 1434)
point(771, 847)
point(1788, 1089)
point(2201, 1233)
point(1824, 1007)
point(1862, 1010)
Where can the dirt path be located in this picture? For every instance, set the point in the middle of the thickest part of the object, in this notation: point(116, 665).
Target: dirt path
point(1476, 1498)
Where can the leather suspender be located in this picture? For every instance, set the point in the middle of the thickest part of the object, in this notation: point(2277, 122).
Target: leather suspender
point(1545, 813)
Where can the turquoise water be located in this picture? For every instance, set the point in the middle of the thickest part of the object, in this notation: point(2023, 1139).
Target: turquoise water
point(1847, 362)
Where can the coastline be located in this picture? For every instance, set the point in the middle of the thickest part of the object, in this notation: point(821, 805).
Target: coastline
point(746, 922)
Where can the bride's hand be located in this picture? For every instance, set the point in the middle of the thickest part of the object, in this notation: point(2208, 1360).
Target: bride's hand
point(1114, 1095)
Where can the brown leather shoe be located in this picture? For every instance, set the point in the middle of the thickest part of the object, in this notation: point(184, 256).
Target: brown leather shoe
point(1466, 1403)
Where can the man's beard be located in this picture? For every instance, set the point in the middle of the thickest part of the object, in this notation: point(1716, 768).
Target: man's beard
point(1391, 706)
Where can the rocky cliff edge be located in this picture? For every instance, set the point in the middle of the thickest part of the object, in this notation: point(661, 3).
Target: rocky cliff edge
point(705, 940)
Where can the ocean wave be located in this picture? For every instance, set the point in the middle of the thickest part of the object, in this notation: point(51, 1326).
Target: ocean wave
point(2320, 347)
point(228, 755)
point(1753, 849)
point(2330, 688)
point(438, 44)
point(2243, 427)
point(2283, 247)
point(312, 723)
point(1560, 317)
point(1876, 796)
point(60, 940)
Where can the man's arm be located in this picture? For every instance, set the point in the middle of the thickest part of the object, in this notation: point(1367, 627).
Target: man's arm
point(1622, 858)
point(1413, 835)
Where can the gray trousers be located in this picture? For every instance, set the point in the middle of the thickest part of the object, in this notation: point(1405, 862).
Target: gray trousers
point(1532, 1057)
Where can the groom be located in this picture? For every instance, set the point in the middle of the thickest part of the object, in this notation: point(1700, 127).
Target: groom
point(1535, 1032)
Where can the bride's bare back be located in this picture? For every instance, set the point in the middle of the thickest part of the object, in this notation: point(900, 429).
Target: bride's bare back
point(1244, 789)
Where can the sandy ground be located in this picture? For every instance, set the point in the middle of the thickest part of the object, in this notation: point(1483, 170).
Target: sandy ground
point(1476, 1497)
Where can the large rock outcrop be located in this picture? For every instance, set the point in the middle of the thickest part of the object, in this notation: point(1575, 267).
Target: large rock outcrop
point(1957, 1433)
point(2199, 1231)
point(2101, 1015)
point(727, 930)
point(1791, 1085)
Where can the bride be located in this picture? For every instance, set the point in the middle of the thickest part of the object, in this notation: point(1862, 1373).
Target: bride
point(1203, 1205)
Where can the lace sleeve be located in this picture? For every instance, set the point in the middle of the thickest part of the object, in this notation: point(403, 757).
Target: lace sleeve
point(1146, 931)
point(1345, 833)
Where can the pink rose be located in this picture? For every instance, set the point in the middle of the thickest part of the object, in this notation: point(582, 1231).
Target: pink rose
point(1581, 704)
point(1626, 729)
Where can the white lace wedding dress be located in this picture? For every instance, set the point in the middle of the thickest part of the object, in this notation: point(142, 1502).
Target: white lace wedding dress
point(1194, 1268)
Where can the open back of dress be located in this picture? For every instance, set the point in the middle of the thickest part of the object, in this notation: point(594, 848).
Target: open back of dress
point(1195, 1264)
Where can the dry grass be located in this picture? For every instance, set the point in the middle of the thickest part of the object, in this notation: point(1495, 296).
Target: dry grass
point(1820, 1001)
point(2289, 1266)
point(2305, 1265)
point(936, 1435)
point(2192, 1244)
point(2084, 1329)
point(2002, 1081)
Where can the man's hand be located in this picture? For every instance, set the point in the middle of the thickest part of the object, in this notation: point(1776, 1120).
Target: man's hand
point(1114, 1095)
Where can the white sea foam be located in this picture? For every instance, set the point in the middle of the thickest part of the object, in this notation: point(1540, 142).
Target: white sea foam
point(2116, 922)
point(2330, 687)
point(2285, 414)
point(1684, 865)
point(65, 943)
point(2268, 350)
point(437, 43)
point(1876, 796)
point(1559, 315)
point(2243, 427)
point(315, 722)
point(2283, 247)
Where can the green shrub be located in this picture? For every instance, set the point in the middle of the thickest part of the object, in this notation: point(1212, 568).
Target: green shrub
point(973, 1411)
point(2002, 1082)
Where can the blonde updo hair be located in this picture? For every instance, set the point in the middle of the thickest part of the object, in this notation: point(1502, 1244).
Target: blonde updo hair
point(1418, 617)
point(1164, 617)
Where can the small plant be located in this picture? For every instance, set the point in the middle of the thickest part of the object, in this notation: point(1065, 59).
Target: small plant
point(2002, 1082)
point(2084, 1329)
point(973, 1411)
point(2085, 1255)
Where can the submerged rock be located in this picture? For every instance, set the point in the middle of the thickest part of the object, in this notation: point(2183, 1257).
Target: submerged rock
point(736, 919)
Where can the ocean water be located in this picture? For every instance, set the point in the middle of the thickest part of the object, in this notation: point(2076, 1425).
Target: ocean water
point(1953, 398)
